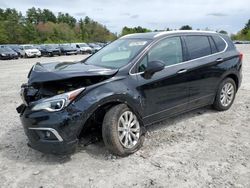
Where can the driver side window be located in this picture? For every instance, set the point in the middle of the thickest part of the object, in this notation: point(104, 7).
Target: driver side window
point(168, 50)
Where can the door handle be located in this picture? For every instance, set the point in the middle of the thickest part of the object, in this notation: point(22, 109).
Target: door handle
point(219, 60)
point(182, 71)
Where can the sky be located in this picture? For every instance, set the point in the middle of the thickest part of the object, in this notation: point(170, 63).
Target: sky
point(229, 15)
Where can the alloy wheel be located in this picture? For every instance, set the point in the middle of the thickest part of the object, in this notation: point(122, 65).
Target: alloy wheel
point(128, 129)
point(227, 94)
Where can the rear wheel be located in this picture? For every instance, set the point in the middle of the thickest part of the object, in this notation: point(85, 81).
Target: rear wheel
point(121, 130)
point(225, 95)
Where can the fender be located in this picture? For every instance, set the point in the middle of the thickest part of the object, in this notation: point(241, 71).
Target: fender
point(92, 105)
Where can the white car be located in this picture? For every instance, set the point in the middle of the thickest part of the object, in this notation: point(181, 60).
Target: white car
point(83, 48)
point(30, 51)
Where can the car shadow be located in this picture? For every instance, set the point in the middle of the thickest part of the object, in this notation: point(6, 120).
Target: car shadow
point(13, 144)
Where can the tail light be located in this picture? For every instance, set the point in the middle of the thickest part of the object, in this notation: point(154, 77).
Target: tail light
point(241, 56)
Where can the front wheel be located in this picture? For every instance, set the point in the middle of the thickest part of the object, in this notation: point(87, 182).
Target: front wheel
point(225, 95)
point(122, 131)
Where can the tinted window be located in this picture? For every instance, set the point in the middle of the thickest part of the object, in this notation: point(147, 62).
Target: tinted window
point(169, 51)
point(213, 46)
point(198, 46)
point(221, 45)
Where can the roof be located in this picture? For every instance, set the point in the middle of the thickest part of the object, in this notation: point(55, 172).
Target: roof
point(153, 35)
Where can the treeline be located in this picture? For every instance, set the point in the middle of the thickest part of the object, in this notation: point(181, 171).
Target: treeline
point(43, 26)
point(127, 30)
point(243, 34)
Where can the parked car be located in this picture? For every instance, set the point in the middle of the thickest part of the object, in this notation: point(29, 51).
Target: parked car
point(83, 48)
point(17, 49)
point(133, 82)
point(30, 51)
point(95, 47)
point(67, 49)
point(49, 50)
point(7, 53)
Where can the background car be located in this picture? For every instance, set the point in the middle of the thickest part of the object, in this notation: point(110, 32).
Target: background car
point(67, 49)
point(30, 51)
point(49, 50)
point(7, 53)
point(95, 47)
point(17, 49)
point(83, 48)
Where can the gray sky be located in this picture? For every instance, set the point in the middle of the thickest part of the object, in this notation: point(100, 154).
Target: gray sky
point(229, 15)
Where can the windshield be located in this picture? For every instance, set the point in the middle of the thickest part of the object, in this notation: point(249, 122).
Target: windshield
point(117, 54)
point(28, 47)
point(5, 50)
point(83, 45)
point(48, 46)
point(66, 47)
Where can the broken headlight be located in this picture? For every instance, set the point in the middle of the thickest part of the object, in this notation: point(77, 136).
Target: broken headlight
point(57, 102)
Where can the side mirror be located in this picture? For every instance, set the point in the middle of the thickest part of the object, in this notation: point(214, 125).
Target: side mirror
point(153, 67)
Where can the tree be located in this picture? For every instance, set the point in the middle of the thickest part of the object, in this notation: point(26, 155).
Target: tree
point(222, 32)
point(126, 30)
point(48, 16)
point(244, 34)
point(186, 27)
point(32, 16)
point(66, 18)
point(42, 26)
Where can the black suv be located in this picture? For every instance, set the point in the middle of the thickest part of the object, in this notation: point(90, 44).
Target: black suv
point(49, 50)
point(133, 82)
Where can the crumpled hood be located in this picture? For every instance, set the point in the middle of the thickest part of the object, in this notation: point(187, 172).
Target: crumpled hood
point(65, 70)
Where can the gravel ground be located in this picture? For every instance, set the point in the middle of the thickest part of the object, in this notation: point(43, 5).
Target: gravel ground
point(202, 148)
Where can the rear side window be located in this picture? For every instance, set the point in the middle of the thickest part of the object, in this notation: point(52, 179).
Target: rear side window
point(221, 45)
point(213, 46)
point(198, 46)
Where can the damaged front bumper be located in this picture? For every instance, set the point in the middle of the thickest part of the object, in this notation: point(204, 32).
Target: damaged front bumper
point(53, 133)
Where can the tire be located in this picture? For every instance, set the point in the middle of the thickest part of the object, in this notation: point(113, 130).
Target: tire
point(218, 102)
point(110, 133)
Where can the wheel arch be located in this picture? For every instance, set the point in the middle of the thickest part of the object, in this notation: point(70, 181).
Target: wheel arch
point(99, 110)
point(235, 78)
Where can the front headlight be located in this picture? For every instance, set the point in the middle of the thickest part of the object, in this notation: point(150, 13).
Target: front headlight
point(57, 102)
point(3, 54)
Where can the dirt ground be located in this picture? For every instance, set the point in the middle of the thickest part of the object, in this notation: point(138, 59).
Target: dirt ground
point(202, 148)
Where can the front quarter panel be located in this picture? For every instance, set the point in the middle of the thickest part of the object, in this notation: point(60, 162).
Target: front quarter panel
point(117, 89)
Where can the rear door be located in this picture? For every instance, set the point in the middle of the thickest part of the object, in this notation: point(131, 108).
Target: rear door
point(203, 72)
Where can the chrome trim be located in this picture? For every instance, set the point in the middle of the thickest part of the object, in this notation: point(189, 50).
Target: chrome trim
point(51, 130)
point(183, 31)
point(184, 62)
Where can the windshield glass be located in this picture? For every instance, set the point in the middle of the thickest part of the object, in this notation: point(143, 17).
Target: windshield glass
point(48, 46)
point(66, 47)
point(5, 50)
point(83, 45)
point(28, 47)
point(118, 53)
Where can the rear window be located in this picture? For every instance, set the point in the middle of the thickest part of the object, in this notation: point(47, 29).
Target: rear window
point(221, 45)
point(198, 46)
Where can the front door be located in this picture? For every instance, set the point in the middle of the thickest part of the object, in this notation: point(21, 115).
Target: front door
point(166, 92)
